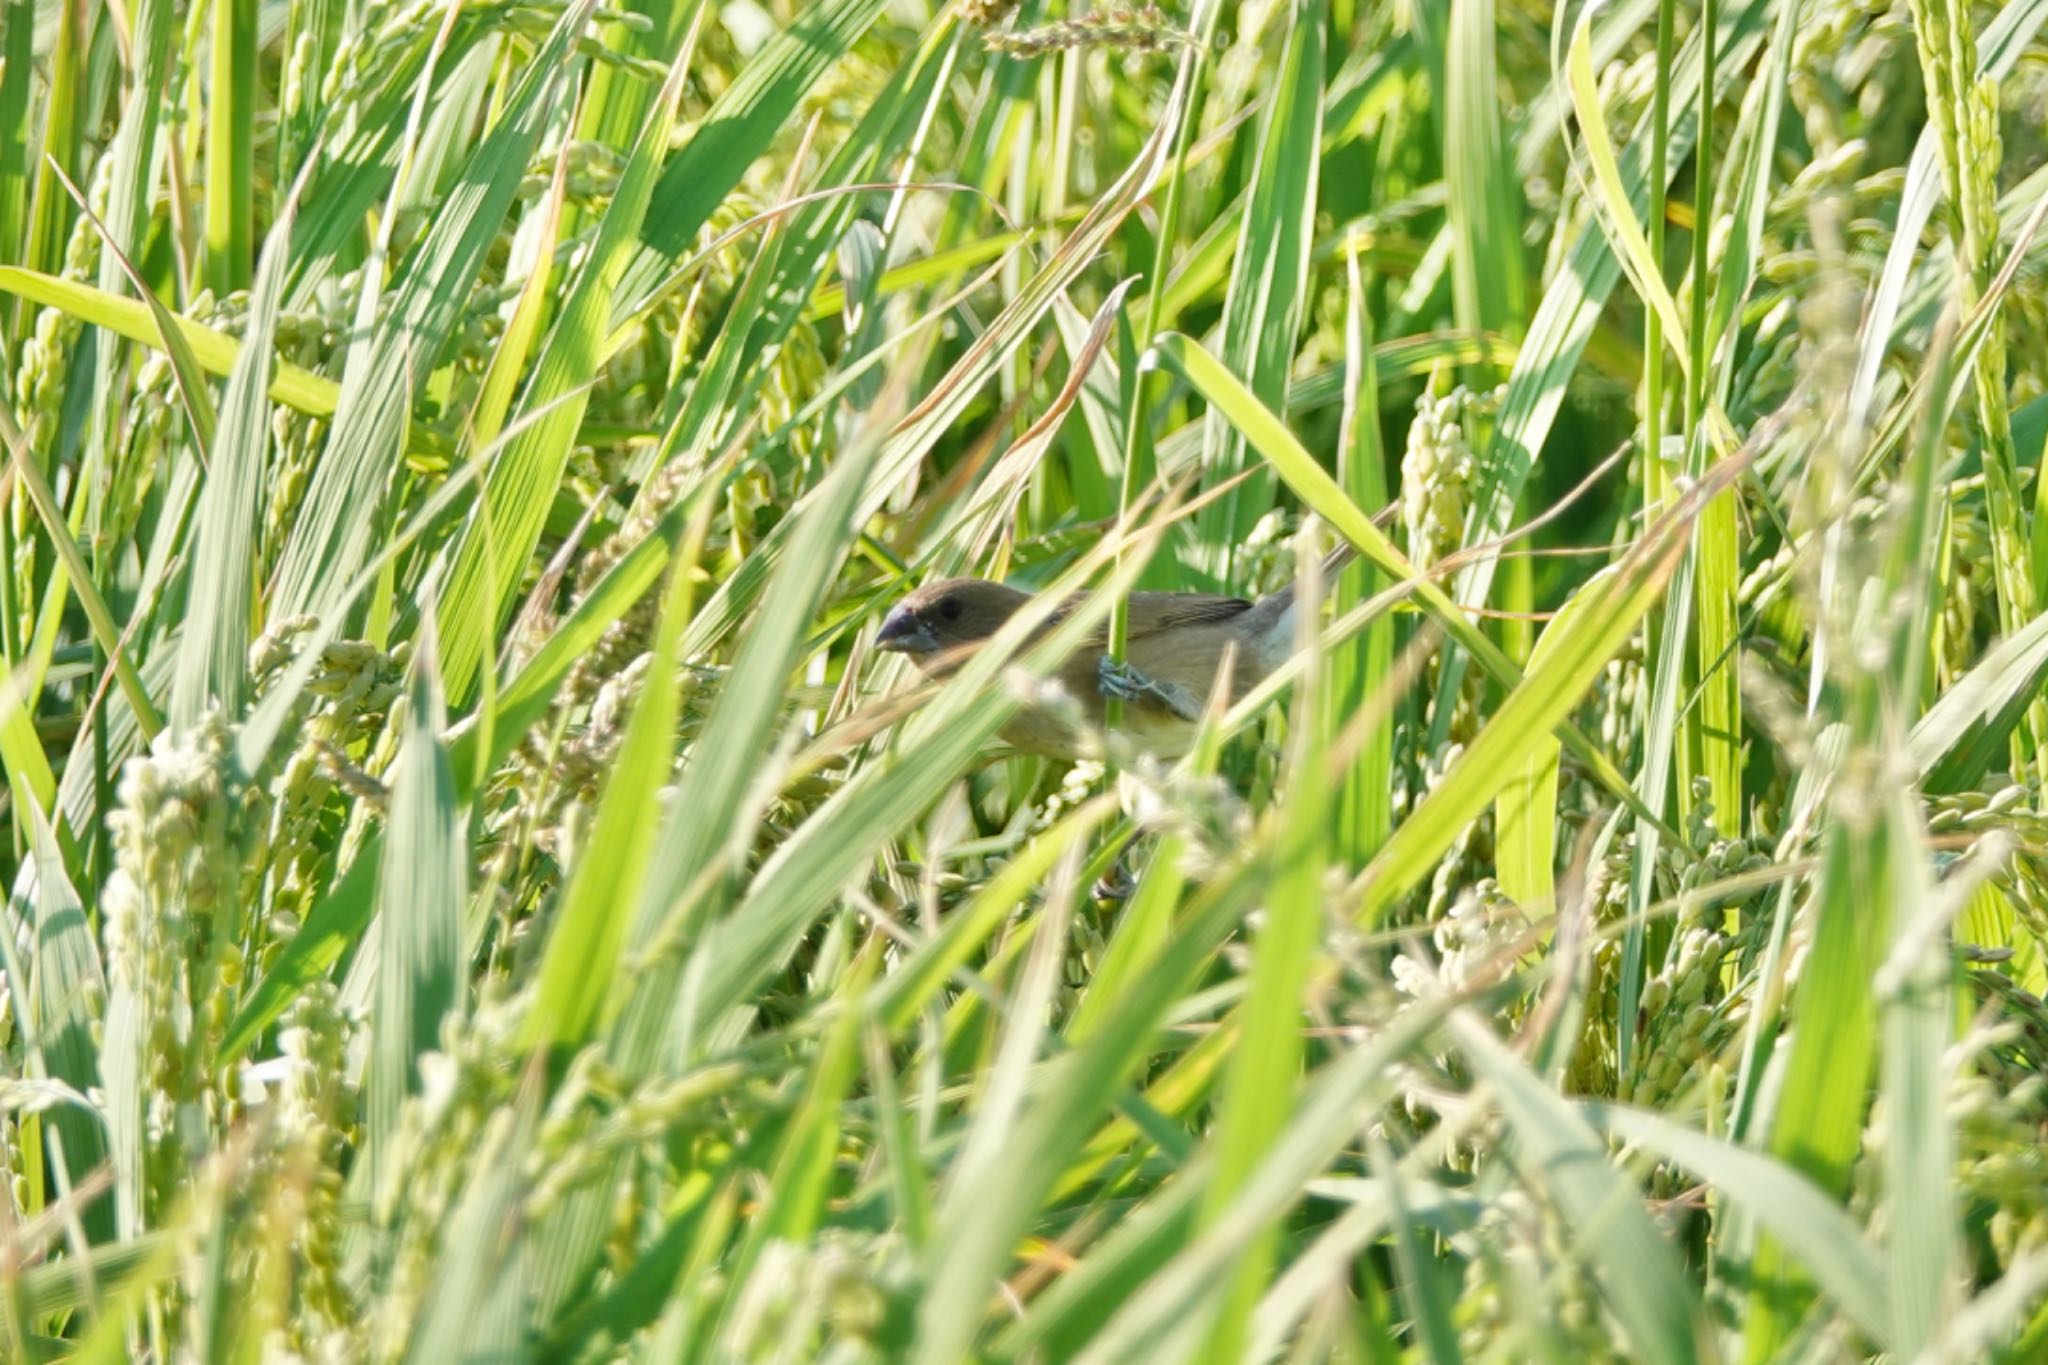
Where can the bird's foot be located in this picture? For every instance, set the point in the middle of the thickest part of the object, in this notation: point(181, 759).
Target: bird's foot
point(1122, 681)
point(1117, 884)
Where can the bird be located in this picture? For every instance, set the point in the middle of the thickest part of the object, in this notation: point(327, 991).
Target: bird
point(1176, 648)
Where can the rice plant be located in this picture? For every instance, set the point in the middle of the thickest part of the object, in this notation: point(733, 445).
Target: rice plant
point(478, 889)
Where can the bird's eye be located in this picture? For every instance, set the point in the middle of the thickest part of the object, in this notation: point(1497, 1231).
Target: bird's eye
point(950, 609)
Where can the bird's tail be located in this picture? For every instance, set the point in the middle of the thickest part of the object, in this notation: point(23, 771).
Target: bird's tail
point(1335, 561)
point(1333, 564)
point(1270, 624)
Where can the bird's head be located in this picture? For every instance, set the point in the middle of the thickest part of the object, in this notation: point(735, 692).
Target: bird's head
point(947, 617)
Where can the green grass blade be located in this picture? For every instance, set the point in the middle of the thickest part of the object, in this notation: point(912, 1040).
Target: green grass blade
point(421, 893)
point(334, 926)
point(330, 540)
point(1826, 1240)
point(477, 1307)
point(521, 483)
point(230, 147)
point(1268, 282)
point(1360, 669)
point(1265, 1067)
point(1485, 202)
point(1924, 1228)
point(801, 1180)
point(1615, 601)
point(1558, 1152)
point(1320, 492)
point(211, 352)
point(578, 970)
point(213, 650)
point(58, 1008)
point(17, 72)
point(44, 500)
point(1967, 729)
point(1525, 812)
point(738, 128)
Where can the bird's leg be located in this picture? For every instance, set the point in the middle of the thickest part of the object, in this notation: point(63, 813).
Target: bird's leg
point(1117, 884)
point(1121, 680)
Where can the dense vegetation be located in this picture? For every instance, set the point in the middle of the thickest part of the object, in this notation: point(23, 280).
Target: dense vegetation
point(477, 892)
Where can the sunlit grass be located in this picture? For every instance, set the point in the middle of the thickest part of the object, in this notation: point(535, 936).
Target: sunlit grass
point(477, 891)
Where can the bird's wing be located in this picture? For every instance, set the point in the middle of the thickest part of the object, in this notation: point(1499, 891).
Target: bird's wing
point(1156, 611)
point(1152, 612)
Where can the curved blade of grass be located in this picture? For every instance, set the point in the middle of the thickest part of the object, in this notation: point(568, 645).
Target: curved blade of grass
point(1616, 601)
point(1969, 727)
point(1263, 307)
point(1339, 1100)
point(521, 483)
point(477, 1308)
point(1420, 1285)
point(1810, 1224)
point(742, 122)
point(712, 800)
point(421, 891)
point(59, 1287)
point(331, 538)
point(1265, 1067)
point(801, 1179)
point(1484, 211)
point(1361, 668)
point(56, 1009)
point(1402, 358)
point(30, 778)
point(1314, 486)
point(193, 394)
point(213, 352)
point(213, 648)
point(333, 926)
point(104, 631)
point(578, 970)
point(1637, 1269)
point(1645, 273)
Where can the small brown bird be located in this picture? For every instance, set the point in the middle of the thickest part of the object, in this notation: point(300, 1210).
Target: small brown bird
point(1177, 643)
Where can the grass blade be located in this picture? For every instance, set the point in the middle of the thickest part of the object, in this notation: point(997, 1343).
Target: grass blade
point(421, 892)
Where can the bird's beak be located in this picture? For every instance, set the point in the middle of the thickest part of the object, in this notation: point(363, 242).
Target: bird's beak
point(903, 633)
